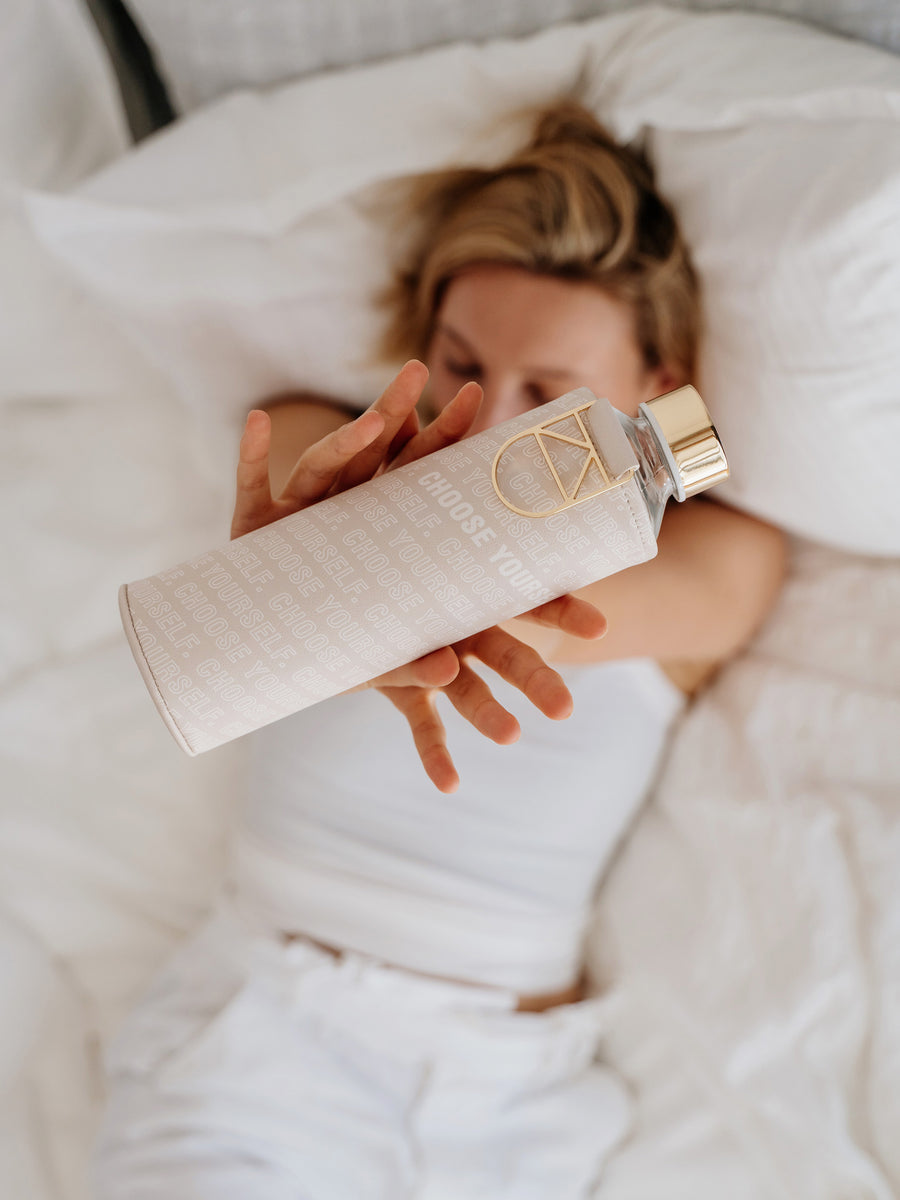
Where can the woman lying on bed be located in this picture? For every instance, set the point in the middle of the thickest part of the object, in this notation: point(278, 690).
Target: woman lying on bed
point(388, 1000)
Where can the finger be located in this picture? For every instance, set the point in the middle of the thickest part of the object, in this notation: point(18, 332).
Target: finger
point(319, 467)
point(570, 614)
point(429, 735)
point(521, 665)
point(394, 405)
point(473, 699)
point(433, 670)
point(253, 495)
point(450, 425)
point(407, 431)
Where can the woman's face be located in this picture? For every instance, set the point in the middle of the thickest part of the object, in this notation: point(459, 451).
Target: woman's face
point(529, 338)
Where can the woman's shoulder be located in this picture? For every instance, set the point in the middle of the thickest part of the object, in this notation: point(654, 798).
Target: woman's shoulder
point(308, 409)
point(690, 677)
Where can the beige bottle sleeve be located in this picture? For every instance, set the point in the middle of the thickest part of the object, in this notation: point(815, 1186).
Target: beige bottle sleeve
point(418, 558)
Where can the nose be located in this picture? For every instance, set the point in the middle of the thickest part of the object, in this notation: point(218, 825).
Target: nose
point(502, 401)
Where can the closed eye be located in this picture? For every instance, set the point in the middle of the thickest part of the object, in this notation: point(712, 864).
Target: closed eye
point(538, 395)
point(465, 370)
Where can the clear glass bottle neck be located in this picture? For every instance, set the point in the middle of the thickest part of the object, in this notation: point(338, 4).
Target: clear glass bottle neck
point(653, 470)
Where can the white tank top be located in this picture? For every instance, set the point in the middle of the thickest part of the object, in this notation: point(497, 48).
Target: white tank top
point(344, 838)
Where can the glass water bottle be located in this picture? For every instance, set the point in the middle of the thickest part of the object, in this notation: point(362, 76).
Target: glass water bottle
point(415, 559)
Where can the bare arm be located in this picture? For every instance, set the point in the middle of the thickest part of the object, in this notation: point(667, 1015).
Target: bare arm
point(692, 607)
point(714, 579)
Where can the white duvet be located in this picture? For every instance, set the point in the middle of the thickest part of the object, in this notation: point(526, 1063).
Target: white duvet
point(749, 933)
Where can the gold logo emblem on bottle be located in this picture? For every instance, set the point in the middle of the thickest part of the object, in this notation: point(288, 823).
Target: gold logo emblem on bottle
point(562, 451)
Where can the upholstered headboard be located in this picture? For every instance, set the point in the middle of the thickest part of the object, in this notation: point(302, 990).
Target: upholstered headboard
point(172, 56)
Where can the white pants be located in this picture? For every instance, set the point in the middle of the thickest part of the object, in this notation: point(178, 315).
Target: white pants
point(262, 1069)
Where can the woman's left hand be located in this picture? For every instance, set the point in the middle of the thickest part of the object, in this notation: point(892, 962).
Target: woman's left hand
point(513, 660)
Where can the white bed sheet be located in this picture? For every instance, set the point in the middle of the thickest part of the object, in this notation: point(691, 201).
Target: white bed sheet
point(750, 933)
point(752, 921)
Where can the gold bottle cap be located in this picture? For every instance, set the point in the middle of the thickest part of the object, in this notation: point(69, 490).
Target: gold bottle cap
point(689, 440)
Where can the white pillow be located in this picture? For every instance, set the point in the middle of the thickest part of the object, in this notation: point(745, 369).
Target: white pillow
point(61, 116)
point(238, 249)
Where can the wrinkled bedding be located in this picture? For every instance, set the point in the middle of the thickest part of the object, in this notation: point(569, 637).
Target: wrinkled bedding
point(751, 925)
point(749, 932)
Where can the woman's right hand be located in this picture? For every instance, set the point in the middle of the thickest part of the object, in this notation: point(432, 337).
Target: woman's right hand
point(386, 433)
point(346, 456)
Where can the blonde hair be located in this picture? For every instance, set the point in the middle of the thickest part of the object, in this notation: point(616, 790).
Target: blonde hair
point(573, 204)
